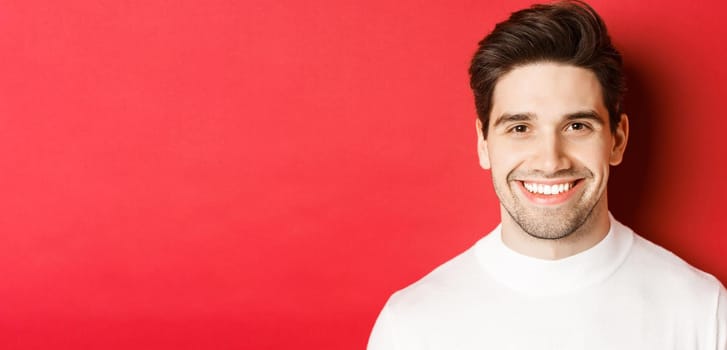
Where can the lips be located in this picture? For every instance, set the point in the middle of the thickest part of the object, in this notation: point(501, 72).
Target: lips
point(549, 192)
point(548, 189)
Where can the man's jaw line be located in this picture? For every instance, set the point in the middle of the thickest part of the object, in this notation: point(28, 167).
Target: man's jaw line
point(569, 243)
point(566, 188)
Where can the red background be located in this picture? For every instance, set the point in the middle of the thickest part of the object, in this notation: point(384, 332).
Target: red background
point(263, 174)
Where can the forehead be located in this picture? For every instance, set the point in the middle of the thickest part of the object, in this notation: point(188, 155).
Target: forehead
point(547, 90)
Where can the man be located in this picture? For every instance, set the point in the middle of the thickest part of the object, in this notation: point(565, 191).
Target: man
point(559, 272)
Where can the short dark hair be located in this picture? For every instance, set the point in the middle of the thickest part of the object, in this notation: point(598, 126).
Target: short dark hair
point(568, 32)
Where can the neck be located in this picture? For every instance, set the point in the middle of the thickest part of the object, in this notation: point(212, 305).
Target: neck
point(593, 230)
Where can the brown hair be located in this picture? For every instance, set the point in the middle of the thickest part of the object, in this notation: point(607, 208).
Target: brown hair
point(568, 32)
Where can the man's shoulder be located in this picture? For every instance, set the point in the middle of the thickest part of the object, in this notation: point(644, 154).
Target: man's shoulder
point(449, 281)
point(668, 270)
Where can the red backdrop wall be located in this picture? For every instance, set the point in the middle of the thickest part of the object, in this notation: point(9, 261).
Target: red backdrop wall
point(263, 174)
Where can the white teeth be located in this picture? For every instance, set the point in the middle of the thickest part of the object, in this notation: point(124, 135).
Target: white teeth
point(548, 189)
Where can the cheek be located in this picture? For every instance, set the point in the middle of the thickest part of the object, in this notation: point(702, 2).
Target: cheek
point(598, 142)
point(501, 162)
point(596, 158)
point(506, 154)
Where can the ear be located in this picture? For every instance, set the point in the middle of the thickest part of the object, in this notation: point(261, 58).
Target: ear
point(482, 147)
point(620, 138)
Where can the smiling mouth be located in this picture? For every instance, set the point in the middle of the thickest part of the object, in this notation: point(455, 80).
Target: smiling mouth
point(549, 189)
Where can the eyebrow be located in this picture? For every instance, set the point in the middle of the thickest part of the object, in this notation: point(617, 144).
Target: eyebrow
point(587, 115)
point(520, 117)
point(517, 117)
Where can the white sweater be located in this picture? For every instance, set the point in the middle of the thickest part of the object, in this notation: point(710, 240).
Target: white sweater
point(623, 293)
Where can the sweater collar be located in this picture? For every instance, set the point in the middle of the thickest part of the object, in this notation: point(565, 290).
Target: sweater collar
point(539, 277)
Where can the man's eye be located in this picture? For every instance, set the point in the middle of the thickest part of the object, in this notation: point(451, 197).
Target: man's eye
point(577, 126)
point(519, 128)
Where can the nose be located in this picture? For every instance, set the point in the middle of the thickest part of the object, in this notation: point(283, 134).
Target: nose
point(549, 154)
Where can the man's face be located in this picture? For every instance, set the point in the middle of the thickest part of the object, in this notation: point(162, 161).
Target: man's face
point(549, 147)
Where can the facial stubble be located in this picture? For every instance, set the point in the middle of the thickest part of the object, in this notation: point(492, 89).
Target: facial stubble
point(549, 223)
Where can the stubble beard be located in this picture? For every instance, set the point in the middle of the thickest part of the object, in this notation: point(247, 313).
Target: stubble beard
point(549, 223)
